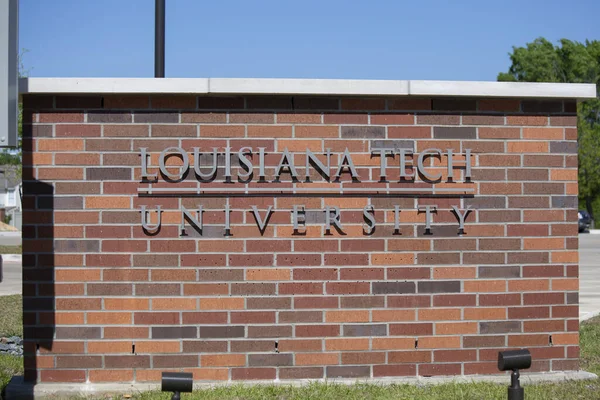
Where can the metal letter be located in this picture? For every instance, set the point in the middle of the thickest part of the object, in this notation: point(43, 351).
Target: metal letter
point(227, 222)
point(428, 209)
point(335, 221)
point(164, 155)
point(227, 164)
point(383, 160)
point(461, 218)
point(420, 166)
point(262, 224)
point(310, 156)
point(450, 165)
point(145, 223)
point(245, 162)
point(369, 226)
point(197, 223)
point(287, 161)
point(346, 162)
point(213, 171)
point(145, 174)
point(296, 217)
point(405, 163)
point(261, 163)
point(467, 164)
point(397, 219)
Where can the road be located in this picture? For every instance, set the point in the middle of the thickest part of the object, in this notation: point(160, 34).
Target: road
point(589, 275)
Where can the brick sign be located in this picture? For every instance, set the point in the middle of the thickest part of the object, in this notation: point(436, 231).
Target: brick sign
point(246, 237)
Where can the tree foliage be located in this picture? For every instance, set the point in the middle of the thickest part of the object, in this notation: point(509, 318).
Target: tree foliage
point(569, 62)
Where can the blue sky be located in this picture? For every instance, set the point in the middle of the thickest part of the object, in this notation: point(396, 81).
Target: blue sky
point(367, 39)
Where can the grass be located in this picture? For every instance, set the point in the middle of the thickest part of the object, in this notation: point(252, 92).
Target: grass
point(11, 315)
point(571, 390)
point(11, 249)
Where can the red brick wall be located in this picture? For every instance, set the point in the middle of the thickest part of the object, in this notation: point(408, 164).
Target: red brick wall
point(106, 301)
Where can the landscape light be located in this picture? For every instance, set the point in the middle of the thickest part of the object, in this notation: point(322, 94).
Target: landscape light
point(177, 382)
point(514, 360)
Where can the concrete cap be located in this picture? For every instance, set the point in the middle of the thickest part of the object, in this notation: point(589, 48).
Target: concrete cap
point(334, 87)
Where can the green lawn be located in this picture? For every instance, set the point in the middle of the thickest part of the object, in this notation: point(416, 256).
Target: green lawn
point(11, 249)
point(10, 307)
point(11, 316)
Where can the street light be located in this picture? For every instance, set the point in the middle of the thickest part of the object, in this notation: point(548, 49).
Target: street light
point(514, 360)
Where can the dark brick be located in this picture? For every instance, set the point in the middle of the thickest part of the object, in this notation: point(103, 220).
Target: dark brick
point(301, 373)
point(409, 329)
point(205, 346)
point(157, 289)
point(78, 101)
point(484, 341)
point(348, 372)
point(393, 287)
point(365, 330)
point(564, 201)
point(528, 257)
point(103, 174)
point(500, 327)
point(316, 103)
point(253, 373)
point(175, 361)
point(77, 246)
point(499, 272)
point(363, 132)
point(454, 105)
point(300, 316)
point(362, 301)
point(156, 117)
point(269, 331)
point(60, 203)
point(109, 117)
point(541, 106)
point(573, 298)
point(439, 287)
point(270, 360)
point(528, 202)
point(395, 144)
point(245, 346)
point(253, 288)
point(444, 132)
point(37, 131)
point(483, 258)
point(438, 258)
point(221, 331)
point(394, 370)
point(109, 289)
point(454, 300)
point(174, 332)
point(220, 103)
point(543, 188)
point(126, 361)
point(563, 147)
point(79, 362)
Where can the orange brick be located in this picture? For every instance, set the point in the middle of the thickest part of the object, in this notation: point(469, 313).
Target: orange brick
point(346, 344)
point(37, 158)
point(527, 147)
point(563, 174)
point(392, 258)
point(221, 131)
point(60, 173)
point(105, 202)
point(436, 314)
point(543, 215)
point(109, 347)
point(208, 374)
point(436, 342)
point(484, 286)
point(565, 256)
point(69, 318)
point(44, 362)
point(145, 375)
point(543, 243)
point(393, 315)
point(216, 246)
point(301, 131)
point(157, 346)
point(347, 202)
point(484, 230)
point(59, 144)
point(544, 133)
point(300, 146)
point(77, 159)
point(269, 131)
point(317, 358)
point(528, 285)
point(77, 275)
point(173, 304)
point(565, 338)
point(268, 274)
point(126, 304)
point(455, 328)
point(455, 272)
point(393, 343)
point(565, 284)
point(109, 318)
point(108, 375)
point(304, 232)
point(482, 313)
point(223, 360)
point(219, 303)
point(347, 316)
point(572, 188)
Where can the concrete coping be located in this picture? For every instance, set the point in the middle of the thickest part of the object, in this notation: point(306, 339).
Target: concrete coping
point(344, 87)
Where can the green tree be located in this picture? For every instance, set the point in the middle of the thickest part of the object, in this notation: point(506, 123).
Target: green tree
point(570, 62)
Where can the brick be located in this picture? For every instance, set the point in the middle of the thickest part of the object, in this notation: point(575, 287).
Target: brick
point(362, 132)
point(454, 132)
point(253, 373)
point(301, 373)
point(223, 360)
point(411, 329)
point(267, 360)
point(348, 372)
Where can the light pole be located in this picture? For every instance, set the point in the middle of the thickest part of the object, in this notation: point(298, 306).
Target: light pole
point(159, 39)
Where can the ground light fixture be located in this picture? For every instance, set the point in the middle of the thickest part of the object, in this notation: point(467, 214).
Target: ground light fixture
point(514, 360)
point(177, 382)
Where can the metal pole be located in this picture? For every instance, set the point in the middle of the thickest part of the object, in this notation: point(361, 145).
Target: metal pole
point(159, 39)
